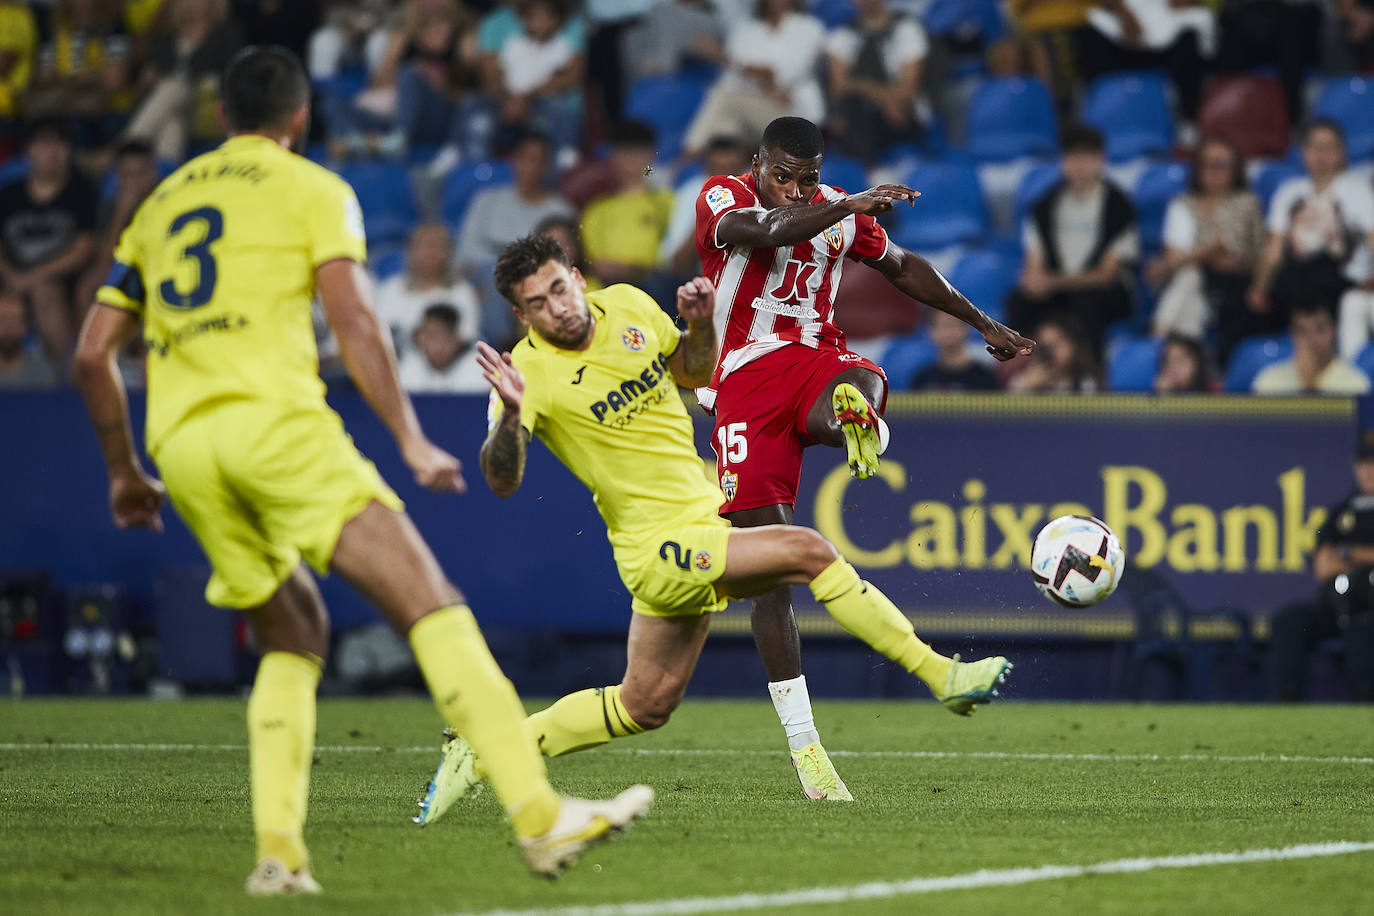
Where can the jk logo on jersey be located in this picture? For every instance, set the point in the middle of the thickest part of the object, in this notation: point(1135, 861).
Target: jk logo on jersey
point(729, 485)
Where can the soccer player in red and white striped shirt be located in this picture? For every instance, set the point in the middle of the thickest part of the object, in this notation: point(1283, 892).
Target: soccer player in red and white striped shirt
point(774, 243)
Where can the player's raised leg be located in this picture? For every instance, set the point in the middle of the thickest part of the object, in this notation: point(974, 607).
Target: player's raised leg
point(382, 554)
point(846, 416)
point(779, 645)
point(760, 558)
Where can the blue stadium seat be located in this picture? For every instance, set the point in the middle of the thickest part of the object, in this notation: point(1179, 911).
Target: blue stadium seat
point(1364, 360)
point(833, 13)
point(950, 210)
point(383, 190)
point(464, 182)
point(668, 104)
point(1157, 185)
point(1268, 179)
point(1350, 101)
point(841, 171)
point(1132, 363)
point(1034, 185)
point(13, 170)
point(904, 357)
point(1010, 117)
point(966, 21)
point(1132, 111)
point(387, 264)
point(1252, 355)
point(986, 276)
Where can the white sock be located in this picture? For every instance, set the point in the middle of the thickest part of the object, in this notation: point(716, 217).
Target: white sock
point(884, 435)
point(793, 704)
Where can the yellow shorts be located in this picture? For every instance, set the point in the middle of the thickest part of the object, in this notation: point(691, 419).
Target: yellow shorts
point(262, 486)
point(672, 572)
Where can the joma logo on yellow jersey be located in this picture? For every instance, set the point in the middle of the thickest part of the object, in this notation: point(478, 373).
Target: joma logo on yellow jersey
point(617, 399)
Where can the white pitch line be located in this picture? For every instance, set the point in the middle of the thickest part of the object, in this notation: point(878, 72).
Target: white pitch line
point(883, 890)
point(735, 752)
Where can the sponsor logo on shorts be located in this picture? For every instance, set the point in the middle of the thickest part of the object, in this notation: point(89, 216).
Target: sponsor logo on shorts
point(834, 236)
point(729, 485)
point(633, 339)
point(850, 357)
point(719, 198)
point(702, 560)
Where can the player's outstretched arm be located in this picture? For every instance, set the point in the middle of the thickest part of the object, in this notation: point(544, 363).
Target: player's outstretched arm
point(367, 354)
point(915, 276)
point(503, 454)
point(791, 224)
point(135, 496)
point(694, 360)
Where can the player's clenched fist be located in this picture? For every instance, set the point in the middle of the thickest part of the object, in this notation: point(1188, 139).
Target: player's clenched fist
point(434, 468)
point(696, 300)
point(136, 500)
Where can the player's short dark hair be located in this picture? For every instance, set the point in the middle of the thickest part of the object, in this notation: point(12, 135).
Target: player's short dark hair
point(1080, 138)
point(1317, 124)
point(443, 313)
point(54, 127)
point(794, 136)
point(522, 258)
point(262, 87)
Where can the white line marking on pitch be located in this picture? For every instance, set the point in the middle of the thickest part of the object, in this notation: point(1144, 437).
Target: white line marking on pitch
point(732, 752)
point(883, 890)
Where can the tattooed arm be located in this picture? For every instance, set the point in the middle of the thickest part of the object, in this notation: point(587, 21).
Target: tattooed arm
point(503, 454)
point(693, 362)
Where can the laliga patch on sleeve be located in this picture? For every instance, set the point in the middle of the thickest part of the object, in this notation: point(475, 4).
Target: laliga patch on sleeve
point(718, 198)
point(353, 217)
point(494, 409)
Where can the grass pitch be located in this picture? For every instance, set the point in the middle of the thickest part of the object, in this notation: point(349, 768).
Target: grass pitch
point(124, 806)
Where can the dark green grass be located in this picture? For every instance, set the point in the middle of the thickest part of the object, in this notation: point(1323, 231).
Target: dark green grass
point(167, 831)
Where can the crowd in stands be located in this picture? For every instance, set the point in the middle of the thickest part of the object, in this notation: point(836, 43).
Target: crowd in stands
point(1169, 195)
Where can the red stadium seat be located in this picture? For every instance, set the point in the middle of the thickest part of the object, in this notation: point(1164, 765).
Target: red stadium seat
point(1249, 111)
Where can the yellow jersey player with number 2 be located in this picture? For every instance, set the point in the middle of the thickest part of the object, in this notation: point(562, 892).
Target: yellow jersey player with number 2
point(220, 265)
point(595, 378)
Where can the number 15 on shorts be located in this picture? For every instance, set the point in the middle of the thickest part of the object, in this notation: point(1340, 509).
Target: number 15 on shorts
point(734, 448)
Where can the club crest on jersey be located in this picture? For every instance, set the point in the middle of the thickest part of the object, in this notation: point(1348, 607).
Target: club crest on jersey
point(633, 339)
point(729, 485)
point(834, 236)
point(702, 560)
point(719, 198)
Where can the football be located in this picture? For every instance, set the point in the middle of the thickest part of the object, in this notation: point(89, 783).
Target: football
point(1077, 561)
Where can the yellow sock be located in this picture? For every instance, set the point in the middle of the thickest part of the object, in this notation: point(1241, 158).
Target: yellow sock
point(477, 700)
point(281, 744)
point(582, 720)
point(868, 614)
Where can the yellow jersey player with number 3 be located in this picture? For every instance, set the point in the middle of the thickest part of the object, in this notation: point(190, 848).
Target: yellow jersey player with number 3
point(220, 266)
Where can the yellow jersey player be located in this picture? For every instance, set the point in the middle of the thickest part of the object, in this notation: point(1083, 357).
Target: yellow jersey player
point(220, 266)
point(596, 379)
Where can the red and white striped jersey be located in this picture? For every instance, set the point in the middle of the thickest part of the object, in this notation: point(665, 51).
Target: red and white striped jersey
point(769, 298)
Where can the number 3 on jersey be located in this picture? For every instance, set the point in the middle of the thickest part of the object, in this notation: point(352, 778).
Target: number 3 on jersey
point(734, 448)
point(198, 252)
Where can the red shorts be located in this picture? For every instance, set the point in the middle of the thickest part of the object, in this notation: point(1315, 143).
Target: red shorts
point(760, 430)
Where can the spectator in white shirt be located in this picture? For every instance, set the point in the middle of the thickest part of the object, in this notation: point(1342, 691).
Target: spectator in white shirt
point(428, 279)
point(773, 61)
point(678, 252)
point(875, 80)
point(498, 216)
point(442, 360)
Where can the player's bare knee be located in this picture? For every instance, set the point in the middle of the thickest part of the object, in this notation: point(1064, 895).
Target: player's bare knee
point(813, 552)
point(651, 709)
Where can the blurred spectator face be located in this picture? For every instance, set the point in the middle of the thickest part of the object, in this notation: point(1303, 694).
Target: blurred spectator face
point(726, 160)
point(1216, 168)
point(567, 239)
point(774, 9)
point(1314, 336)
point(1323, 153)
point(437, 337)
point(947, 332)
point(429, 251)
point(1179, 370)
point(1364, 475)
point(12, 328)
point(1082, 168)
point(870, 9)
point(186, 12)
point(136, 174)
point(49, 155)
point(530, 162)
point(1055, 347)
point(631, 164)
point(81, 14)
point(541, 20)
